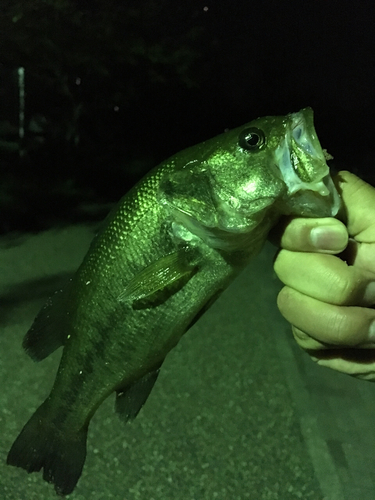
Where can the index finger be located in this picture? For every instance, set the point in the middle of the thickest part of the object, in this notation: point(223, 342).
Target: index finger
point(359, 202)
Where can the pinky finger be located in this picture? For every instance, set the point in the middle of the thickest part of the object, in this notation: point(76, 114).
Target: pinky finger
point(362, 370)
point(305, 341)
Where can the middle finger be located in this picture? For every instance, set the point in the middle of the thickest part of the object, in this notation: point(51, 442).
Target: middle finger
point(326, 278)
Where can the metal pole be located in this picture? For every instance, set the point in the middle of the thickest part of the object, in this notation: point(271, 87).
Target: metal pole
point(21, 115)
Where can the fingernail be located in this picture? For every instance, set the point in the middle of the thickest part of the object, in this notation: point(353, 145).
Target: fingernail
point(333, 238)
point(369, 295)
point(372, 331)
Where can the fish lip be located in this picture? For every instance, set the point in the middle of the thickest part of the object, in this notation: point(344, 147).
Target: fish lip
point(304, 133)
point(302, 164)
point(311, 204)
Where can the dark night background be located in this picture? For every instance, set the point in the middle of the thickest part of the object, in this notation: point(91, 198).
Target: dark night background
point(114, 87)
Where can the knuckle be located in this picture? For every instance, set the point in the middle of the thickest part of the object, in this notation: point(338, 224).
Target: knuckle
point(346, 327)
point(280, 263)
point(345, 288)
point(283, 299)
point(286, 303)
point(338, 331)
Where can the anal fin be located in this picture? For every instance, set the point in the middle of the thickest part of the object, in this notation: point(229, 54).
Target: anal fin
point(130, 400)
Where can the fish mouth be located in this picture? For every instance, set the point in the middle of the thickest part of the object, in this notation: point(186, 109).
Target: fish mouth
point(303, 168)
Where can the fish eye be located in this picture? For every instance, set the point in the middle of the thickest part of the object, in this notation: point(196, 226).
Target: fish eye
point(252, 138)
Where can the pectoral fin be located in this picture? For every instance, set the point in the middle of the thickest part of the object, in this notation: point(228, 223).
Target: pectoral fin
point(156, 282)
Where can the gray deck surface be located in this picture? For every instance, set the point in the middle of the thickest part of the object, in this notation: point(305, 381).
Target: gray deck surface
point(238, 411)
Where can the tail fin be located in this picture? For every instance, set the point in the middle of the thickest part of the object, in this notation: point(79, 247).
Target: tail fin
point(41, 444)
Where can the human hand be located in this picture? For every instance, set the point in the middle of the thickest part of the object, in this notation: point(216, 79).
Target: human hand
point(330, 300)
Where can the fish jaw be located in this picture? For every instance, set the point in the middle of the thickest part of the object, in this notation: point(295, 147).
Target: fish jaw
point(303, 168)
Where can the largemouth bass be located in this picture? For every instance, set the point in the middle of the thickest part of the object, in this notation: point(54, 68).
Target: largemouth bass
point(165, 253)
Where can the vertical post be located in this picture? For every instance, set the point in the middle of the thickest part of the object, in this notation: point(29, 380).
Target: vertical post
point(21, 113)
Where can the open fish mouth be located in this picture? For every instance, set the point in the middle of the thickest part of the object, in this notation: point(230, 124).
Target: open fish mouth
point(303, 167)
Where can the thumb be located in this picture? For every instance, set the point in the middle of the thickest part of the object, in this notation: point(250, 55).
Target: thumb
point(359, 203)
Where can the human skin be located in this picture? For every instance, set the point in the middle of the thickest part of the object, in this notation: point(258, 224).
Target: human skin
point(328, 269)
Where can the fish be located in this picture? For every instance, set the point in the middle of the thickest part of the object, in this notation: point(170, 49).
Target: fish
point(165, 253)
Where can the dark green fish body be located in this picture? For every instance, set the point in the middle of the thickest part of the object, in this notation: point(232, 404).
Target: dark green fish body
point(169, 248)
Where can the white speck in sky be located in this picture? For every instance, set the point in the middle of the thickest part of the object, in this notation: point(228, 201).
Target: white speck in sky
point(116, 108)
point(205, 8)
point(78, 81)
